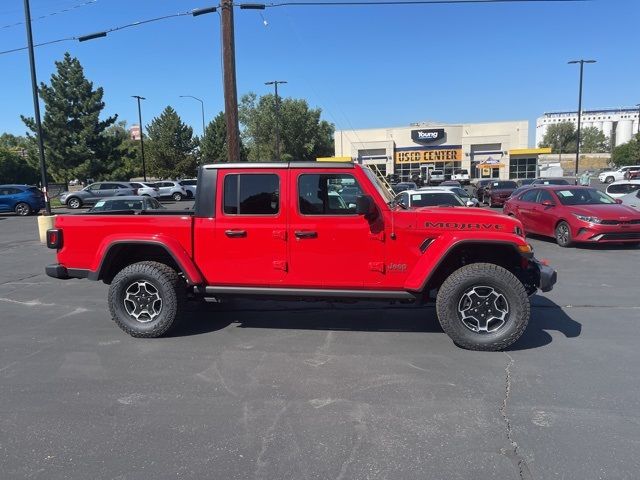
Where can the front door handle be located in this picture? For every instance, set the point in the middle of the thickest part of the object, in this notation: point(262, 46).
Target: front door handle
point(305, 234)
point(235, 233)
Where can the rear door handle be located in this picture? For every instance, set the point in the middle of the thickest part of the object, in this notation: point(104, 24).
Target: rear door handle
point(305, 234)
point(235, 233)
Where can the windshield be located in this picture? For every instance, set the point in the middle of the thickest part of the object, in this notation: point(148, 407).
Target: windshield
point(584, 196)
point(382, 190)
point(461, 192)
point(435, 199)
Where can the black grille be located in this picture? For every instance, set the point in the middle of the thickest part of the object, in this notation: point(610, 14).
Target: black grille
point(619, 222)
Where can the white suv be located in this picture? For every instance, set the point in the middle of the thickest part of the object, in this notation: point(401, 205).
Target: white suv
point(461, 175)
point(613, 175)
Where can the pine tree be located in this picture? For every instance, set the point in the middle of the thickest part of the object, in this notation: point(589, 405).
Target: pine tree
point(213, 146)
point(73, 134)
point(171, 146)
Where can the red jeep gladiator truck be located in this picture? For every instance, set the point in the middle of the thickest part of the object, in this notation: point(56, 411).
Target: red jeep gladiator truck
point(306, 229)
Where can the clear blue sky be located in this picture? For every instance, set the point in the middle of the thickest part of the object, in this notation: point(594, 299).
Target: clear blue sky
point(364, 66)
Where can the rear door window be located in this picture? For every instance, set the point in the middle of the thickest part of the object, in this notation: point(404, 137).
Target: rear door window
point(251, 194)
point(529, 195)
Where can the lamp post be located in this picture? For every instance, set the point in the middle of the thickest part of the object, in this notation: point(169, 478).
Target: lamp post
point(144, 166)
point(201, 106)
point(581, 62)
point(36, 108)
point(638, 105)
point(275, 83)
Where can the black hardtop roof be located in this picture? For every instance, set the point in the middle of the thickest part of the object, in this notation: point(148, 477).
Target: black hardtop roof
point(268, 165)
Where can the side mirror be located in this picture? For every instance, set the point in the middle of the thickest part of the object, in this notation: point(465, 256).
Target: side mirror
point(365, 205)
point(618, 201)
point(548, 203)
point(470, 204)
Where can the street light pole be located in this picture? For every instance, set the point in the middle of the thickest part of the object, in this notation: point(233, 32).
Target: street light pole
point(581, 62)
point(201, 106)
point(275, 83)
point(638, 105)
point(36, 108)
point(144, 166)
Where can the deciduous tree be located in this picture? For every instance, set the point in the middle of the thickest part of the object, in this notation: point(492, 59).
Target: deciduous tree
point(627, 153)
point(593, 140)
point(303, 135)
point(561, 137)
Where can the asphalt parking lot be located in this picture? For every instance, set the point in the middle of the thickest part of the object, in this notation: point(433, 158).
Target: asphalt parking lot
point(273, 390)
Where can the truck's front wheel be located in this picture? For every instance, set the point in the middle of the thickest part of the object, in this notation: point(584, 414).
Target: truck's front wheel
point(146, 299)
point(482, 306)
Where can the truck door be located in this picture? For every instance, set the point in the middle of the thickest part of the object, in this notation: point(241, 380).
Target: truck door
point(330, 245)
point(245, 244)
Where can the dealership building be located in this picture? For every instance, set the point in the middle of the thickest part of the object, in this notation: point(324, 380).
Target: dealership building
point(485, 150)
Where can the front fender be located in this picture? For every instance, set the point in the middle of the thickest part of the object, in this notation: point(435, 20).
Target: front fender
point(441, 247)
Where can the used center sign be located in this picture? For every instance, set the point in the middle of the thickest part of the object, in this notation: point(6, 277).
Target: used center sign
point(431, 135)
point(428, 156)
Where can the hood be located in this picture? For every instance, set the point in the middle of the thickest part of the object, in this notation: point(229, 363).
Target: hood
point(465, 219)
point(606, 212)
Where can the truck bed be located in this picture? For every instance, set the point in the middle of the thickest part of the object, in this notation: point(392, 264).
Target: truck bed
point(87, 236)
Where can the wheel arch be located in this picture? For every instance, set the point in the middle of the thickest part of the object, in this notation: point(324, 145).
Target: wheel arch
point(121, 254)
point(502, 253)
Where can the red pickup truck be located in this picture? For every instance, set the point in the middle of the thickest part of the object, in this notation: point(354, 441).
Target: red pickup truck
point(306, 229)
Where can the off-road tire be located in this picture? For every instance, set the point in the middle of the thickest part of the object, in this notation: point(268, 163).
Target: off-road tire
point(74, 203)
point(177, 197)
point(22, 209)
point(170, 287)
point(563, 235)
point(483, 274)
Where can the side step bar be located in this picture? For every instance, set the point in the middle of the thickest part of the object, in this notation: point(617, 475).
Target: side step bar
point(311, 292)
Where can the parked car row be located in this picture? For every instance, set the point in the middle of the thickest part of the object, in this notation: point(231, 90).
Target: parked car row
point(93, 193)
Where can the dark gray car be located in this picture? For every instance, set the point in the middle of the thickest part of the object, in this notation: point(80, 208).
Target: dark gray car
point(125, 203)
point(90, 194)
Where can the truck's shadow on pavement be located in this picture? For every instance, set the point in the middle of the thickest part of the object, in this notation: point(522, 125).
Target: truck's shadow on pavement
point(361, 317)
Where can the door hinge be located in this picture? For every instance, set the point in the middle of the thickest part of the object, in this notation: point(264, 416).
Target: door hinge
point(280, 265)
point(280, 235)
point(376, 266)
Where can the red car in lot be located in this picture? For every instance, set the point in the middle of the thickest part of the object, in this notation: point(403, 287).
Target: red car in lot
point(573, 214)
point(497, 192)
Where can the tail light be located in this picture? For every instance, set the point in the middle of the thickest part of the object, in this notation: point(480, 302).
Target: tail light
point(54, 238)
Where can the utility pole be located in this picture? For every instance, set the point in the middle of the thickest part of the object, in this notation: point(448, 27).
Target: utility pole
point(275, 83)
point(36, 108)
point(144, 166)
point(230, 89)
point(581, 62)
point(638, 105)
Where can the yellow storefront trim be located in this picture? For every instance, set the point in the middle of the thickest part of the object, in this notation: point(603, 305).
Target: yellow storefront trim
point(530, 151)
point(334, 159)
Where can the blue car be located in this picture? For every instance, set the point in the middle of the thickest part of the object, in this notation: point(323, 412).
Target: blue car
point(21, 199)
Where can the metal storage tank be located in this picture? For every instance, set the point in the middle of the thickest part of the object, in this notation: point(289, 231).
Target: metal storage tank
point(607, 128)
point(624, 132)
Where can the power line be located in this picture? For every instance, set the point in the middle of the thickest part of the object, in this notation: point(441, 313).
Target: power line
point(292, 4)
point(47, 15)
point(114, 29)
point(404, 2)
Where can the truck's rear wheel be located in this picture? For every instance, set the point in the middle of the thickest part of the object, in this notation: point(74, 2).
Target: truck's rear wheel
point(146, 299)
point(482, 306)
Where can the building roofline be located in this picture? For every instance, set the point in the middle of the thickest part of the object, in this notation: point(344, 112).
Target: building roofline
point(590, 112)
